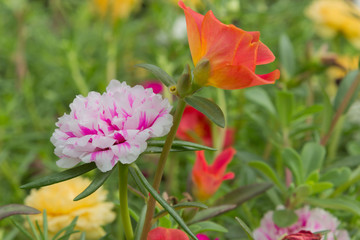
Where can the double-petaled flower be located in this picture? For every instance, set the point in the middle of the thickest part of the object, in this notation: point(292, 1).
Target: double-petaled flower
point(110, 127)
point(225, 56)
point(208, 178)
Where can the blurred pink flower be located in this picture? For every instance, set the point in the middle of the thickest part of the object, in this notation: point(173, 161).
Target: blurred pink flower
point(156, 86)
point(110, 127)
point(313, 220)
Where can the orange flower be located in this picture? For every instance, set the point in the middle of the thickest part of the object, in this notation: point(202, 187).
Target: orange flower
point(161, 233)
point(225, 56)
point(207, 179)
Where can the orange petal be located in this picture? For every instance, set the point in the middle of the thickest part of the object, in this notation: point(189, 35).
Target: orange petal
point(193, 25)
point(237, 77)
point(228, 176)
point(221, 161)
point(161, 233)
point(219, 41)
point(246, 52)
point(264, 54)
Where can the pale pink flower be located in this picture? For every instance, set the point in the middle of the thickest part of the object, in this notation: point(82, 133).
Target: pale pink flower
point(110, 127)
point(313, 220)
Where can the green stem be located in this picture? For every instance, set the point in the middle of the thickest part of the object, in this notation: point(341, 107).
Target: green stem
point(160, 167)
point(344, 104)
point(124, 208)
point(220, 133)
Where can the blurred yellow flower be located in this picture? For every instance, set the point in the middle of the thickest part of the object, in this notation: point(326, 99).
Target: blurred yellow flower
point(336, 16)
point(194, 4)
point(58, 202)
point(339, 66)
point(117, 9)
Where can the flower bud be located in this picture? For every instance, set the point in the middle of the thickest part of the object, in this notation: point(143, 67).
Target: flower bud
point(184, 83)
point(202, 72)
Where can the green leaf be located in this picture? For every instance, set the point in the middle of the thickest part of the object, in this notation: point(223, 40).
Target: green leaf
point(22, 229)
point(162, 202)
point(284, 107)
point(284, 218)
point(98, 181)
point(269, 172)
point(32, 228)
point(45, 224)
point(302, 192)
point(140, 224)
point(245, 228)
point(312, 155)
point(165, 222)
point(287, 56)
point(207, 226)
point(313, 176)
point(337, 176)
point(69, 230)
point(243, 194)
point(16, 209)
point(83, 236)
point(181, 206)
point(308, 111)
point(138, 182)
point(61, 176)
point(211, 212)
point(159, 73)
point(207, 107)
point(261, 98)
point(349, 205)
point(155, 146)
point(320, 187)
point(344, 89)
point(293, 162)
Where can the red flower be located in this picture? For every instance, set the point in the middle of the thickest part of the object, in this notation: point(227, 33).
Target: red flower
point(207, 179)
point(303, 235)
point(161, 233)
point(225, 56)
point(196, 127)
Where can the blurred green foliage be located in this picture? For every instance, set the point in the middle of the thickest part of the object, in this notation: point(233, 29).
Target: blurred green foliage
point(53, 50)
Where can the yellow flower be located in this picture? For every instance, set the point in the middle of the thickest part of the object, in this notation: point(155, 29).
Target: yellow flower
point(194, 4)
point(58, 202)
point(117, 9)
point(339, 66)
point(336, 16)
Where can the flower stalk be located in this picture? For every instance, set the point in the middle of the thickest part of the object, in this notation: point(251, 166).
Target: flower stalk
point(160, 167)
point(124, 208)
point(341, 110)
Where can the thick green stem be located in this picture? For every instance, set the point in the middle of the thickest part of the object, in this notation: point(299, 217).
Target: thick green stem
point(160, 167)
point(124, 209)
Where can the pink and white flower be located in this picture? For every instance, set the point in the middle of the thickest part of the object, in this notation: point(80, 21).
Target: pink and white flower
point(110, 127)
point(313, 220)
